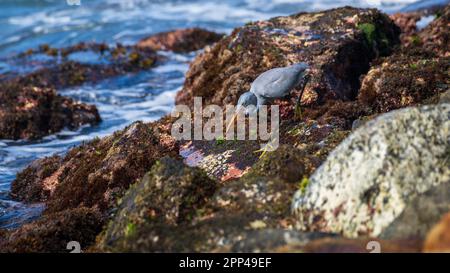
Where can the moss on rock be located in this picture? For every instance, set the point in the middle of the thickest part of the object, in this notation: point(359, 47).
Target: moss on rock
point(286, 163)
point(330, 41)
point(409, 77)
point(170, 194)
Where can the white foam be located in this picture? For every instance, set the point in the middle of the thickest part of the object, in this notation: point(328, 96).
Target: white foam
point(424, 21)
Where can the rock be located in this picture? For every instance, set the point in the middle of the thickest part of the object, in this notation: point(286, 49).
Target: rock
point(252, 202)
point(436, 36)
point(371, 177)
point(407, 23)
point(62, 71)
point(181, 40)
point(53, 232)
point(258, 198)
point(34, 183)
point(409, 77)
point(274, 240)
point(95, 173)
point(258, 201)
point(263, 194)
point(28, 112)
point(360, 245)
point(286, 163)
point(220, 159)
point(418, 31)
point(338, 44)
point(91, 177)
point(420, 214)
point(445, 97)
point(438, 239)
point(314, 139)
point(109, 166)
point(169, 194)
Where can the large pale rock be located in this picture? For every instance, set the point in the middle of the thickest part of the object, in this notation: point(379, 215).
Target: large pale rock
point(370, 179)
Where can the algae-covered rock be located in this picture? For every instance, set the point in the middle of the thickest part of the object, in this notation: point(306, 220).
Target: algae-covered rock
point(370, 179)
point(54, 231)
point(97, 172)
point(286, 162)
point(338, 44)
point(407, 23)
point(180, 40)
point(91, 177)
point(436, 36)
point(256, 204)
point(29, 112)
point(63, 70)
point(408, 77)
point(259, 198)
point(169, 194)
point(147, 222)
point(34, 183)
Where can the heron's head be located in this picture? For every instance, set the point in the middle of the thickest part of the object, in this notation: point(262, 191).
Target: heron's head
point(300, 67)
point(246, 99)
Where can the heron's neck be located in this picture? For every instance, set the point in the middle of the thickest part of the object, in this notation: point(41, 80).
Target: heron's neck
point(260, 101)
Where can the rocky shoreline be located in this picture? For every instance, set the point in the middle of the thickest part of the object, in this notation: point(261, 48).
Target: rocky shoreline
point(367, 160)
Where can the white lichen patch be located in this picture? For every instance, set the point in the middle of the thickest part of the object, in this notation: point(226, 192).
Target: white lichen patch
point(367, 181)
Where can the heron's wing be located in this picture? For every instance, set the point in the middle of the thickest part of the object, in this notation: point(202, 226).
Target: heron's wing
point(274, 83)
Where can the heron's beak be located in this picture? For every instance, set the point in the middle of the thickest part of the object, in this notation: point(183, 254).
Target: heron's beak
point(231, 122)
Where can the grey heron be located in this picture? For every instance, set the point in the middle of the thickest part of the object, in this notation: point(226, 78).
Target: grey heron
point(272, 84)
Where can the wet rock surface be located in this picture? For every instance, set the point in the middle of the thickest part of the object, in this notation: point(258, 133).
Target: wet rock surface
point(181, 40)
point(95, 172)
point(53, 232)
point(359, 189)
point(108, 166)
point(30, 112)
point(79, 64)
point(220, 159)
point(35, 183)
point(92, 176)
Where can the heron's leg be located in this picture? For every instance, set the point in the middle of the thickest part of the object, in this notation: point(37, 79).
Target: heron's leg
point(298, 110)
point(263, 151)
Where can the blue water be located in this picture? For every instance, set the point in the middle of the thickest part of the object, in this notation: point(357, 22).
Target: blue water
point(146, 95)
